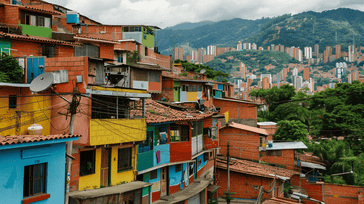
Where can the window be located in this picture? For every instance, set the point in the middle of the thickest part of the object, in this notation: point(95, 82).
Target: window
point(35, 179)
point(190, 169)
point(124, 158)
point(197, 128)
point(183, 87)
point(40, 21)
point(261, 140)
point(153, 174)
point(104, 107)
point(12, 101)
point(274, 153)
point(178, 167)
point(199, 88)
point(87, 162)
point(180, 133)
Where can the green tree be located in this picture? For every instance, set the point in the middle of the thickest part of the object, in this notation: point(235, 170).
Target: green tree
point(291, 130)
point(10, 71)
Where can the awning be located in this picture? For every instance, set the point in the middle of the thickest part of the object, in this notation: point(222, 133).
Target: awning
point(212, 188)
point(312, 165)
point(119, 189)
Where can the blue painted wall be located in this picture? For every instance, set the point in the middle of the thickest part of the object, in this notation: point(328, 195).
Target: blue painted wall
point(176, 178)
point(220, 87)
point(13, 161)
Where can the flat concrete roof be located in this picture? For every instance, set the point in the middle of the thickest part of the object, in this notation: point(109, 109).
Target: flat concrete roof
point(112, 190)
point(191, 190)
point(287, 145)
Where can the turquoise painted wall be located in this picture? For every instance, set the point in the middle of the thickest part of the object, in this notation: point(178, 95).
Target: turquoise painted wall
point(13, 161)
point(176, 178)
point(5, 43)
point(220, 87)
point(203, 162)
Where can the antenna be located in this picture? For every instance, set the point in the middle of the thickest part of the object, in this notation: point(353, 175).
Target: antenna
point(202, 71)
point(42, 82)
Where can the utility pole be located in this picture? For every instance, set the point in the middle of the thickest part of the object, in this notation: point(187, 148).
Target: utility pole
point(228, 174)
point(73, 110)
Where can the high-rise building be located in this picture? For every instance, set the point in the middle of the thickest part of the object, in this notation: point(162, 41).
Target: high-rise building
point(239, 46)
point(297, 82)
point(337, 51)
point(327, 54)
point(281, 48)
point(269, 76)
point(247, 46)
point(254, 46)
point(194, 57)
point(201, 55)
point(178, 53)
point(308, 52)
point(317, 51)
point(350, 78)
point(265, 83)
point(306, 73)
point(211, 50)
point(243, 70)
point(294, 71)
point(351, 51)
point(312, 85)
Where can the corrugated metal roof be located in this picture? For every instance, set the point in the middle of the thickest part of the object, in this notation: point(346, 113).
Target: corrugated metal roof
point(312, 165)
point(15, 85)
point(266, 123)
point(287, 145)
point(248, 128)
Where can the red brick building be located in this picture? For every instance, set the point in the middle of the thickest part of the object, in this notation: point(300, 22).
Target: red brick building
point(246, 177)
point(246, 141)
point(306, 73)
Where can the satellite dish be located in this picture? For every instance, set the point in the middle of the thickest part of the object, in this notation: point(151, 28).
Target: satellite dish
point(202, 71)
point(42, 82)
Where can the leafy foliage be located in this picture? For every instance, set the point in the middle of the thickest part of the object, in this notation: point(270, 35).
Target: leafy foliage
point(212, 74)
point(291, 130)
point(10, 71)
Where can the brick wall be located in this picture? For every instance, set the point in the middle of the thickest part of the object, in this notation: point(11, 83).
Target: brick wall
point(167, 90)
point(25, 48)
point(287, 158)
point(333, 193)
point(210, 143)
point(107, 51)
point(65, 51)
point(245, 144)
point(12, 15)
point(75, 66)
point(271, 129)
point(241, 184)
point(237, 110)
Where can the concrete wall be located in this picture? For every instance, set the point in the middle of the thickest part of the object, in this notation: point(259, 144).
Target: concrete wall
point(12, 163)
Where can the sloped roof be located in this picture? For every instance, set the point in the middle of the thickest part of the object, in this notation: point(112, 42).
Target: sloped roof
point(287, 145)
point(37, 39)
point(158, 113)
point(268, 123)
point(279, 201)
point(17, 139)
point(84, 37)
point(309, 157)
point(254, 168)
point(247, 128)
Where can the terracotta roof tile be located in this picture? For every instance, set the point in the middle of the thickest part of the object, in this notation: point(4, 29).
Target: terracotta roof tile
point(279, 201)
point(248, 128)
point(309, 157)
point(175, 76)
point(93, 38)
point(16, 139)
point(37, 39)
point(254, 168)
point(158, 113)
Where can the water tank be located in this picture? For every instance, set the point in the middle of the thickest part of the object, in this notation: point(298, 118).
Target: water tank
point(35, 129)
point(73, 17)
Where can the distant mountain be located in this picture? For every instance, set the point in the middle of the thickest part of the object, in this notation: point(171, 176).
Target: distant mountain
point(189, 25)
point(223, 33)
point(328, 28)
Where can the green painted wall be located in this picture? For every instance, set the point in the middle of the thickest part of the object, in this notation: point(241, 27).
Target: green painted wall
point(36, 31)
point(149, 41)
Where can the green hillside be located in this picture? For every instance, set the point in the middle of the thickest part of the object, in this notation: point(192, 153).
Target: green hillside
point(253, 59)
point(223, 33)
point(328, 28)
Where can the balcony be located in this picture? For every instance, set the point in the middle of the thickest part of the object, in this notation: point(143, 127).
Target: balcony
point(36, 31)
point(159, 155)
point(113, 131)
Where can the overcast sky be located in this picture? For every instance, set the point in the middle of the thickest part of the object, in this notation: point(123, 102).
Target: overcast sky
point(165, 13)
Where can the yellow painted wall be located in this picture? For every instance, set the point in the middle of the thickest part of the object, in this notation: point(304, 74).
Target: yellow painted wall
point(127, 176)
point(113, 131)
point(92, 181)
point(31, 110)
point(192, 96)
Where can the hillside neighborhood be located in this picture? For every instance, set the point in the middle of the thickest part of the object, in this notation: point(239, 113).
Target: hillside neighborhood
point(92, 113)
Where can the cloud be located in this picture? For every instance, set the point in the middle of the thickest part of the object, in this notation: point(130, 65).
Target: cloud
point(164, 13)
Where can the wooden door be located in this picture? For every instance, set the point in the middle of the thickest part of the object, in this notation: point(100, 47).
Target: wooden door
point(105, 161)
point(164, 181)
